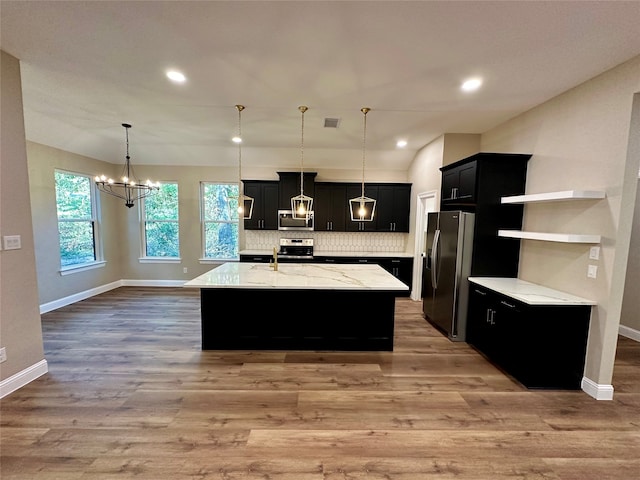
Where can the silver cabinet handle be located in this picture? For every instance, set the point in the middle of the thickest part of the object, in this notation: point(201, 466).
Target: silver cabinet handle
point(507, 304)
point(479, 292)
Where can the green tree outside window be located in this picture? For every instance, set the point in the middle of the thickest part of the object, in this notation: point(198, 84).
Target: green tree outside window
point(220, 221)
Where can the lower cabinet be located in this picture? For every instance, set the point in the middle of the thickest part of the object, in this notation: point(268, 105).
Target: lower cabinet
point(541, 346)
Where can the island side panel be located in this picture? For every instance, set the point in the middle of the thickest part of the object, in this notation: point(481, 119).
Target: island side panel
point(291, 319)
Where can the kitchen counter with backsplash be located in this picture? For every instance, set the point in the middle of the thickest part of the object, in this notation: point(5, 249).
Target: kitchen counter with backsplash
point(333, 253)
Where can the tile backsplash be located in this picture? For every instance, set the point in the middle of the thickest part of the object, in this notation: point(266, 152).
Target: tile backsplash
point(330, 241)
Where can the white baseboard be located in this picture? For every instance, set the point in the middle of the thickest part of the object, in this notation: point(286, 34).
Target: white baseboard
point(76, 297)
point(152, 283)
point(20, 379)
point(599, 392)
point(629, 333)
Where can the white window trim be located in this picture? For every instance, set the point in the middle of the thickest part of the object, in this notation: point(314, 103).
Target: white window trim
point(203, 241)
point(96, 218)
point(143, 233)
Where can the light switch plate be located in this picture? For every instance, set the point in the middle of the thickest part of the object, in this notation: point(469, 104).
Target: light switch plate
point(592, 271)
point(11, 242)
point(594, 253)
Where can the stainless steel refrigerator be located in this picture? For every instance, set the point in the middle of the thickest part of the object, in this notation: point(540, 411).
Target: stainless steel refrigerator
point(447, 265)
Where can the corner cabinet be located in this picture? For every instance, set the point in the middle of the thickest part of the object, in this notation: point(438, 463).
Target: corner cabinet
point(540, 345)
point(265, 204)
point(561, 196)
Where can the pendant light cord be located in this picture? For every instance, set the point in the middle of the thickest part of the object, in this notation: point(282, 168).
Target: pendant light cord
point(364, 110)
point(302, 109)
point(240, 189)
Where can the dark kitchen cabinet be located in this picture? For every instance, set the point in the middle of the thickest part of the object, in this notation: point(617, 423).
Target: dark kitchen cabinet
point(399, 267)
point(541, 346)
point(354, 190)
point(290, 187)
point(459, 183)
point(393, 203)
point(482, 180)
point(330, 206)
point(265, 204)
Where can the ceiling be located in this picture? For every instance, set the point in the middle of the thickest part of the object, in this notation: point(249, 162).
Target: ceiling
point(89, 66)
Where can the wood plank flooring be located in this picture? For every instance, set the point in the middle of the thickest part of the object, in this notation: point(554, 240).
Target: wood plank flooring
point(131, 395)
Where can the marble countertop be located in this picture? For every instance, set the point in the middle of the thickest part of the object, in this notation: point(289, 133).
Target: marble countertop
point(332, 253)
point(529, 293)
point(309, 276)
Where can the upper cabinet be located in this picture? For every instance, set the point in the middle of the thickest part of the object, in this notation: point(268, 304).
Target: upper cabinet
point(290, 187)
point(330, 207)
point(265, 204)
point(482, 179)
point(393, 203)
point(477, 184)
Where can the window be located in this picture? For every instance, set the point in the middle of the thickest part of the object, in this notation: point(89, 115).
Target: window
point(219, 222)
point(77, 219)
point(160, 219)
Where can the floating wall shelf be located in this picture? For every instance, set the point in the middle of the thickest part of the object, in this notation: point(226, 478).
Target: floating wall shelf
point(555, 196)
point(550, 237)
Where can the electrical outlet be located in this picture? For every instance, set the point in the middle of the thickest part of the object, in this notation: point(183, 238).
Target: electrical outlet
point(594, 253)
point(11, 242)
point(185, 270)
point(3, 355)
point(592, 271)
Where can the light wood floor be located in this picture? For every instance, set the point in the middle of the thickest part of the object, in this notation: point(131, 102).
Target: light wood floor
point(130, 395)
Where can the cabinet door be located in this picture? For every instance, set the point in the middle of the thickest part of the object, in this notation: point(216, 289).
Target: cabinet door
point(330, 207)
point(290, 187)
point(459, 184)
point(353, 191)
point(401, 268)
point(479, 328)
point(393, 205)
point(265, 205)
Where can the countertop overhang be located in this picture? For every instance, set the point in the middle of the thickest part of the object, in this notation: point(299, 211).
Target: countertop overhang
point(529, 293)
point(294, 276)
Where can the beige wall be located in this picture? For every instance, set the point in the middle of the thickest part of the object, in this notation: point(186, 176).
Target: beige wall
point(579, 140)
point(630, 316)
point(20, 328)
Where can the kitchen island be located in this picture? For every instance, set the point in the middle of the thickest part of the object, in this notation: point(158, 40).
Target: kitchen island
point(300, 306)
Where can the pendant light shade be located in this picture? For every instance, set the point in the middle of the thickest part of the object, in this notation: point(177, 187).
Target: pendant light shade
point(242, 203)
point(129, 188)
point(302, 205)
point(363, 208)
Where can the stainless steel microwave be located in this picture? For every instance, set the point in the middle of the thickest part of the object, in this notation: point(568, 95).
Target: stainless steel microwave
point(286, 221)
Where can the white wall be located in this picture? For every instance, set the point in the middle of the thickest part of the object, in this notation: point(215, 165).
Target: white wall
point(20, 328)
point(579, 140)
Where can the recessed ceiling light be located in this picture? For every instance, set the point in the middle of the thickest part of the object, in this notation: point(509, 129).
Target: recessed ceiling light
point(471, 85)
point(401, 143)
point(176, 76)
point(236, 140)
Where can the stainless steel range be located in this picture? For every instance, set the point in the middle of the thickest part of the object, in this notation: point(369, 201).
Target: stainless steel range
point(296, 249)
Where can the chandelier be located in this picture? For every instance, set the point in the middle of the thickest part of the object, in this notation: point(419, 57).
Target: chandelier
point(242, 202)
point(363, 208)
point(128, 188)
point(301, 205)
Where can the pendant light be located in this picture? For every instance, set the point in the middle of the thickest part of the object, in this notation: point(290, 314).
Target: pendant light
point(128, 188)
point(301, 205)
point(242, 202)
point(363, 208)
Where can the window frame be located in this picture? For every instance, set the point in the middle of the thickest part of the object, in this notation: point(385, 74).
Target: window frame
point(204, 259)
point(95, 221)
point(144, 258)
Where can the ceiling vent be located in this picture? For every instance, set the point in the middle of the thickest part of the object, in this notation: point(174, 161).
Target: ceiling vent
point(331, 122)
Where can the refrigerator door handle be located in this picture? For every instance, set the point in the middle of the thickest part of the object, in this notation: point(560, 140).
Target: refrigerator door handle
point(434, 259)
